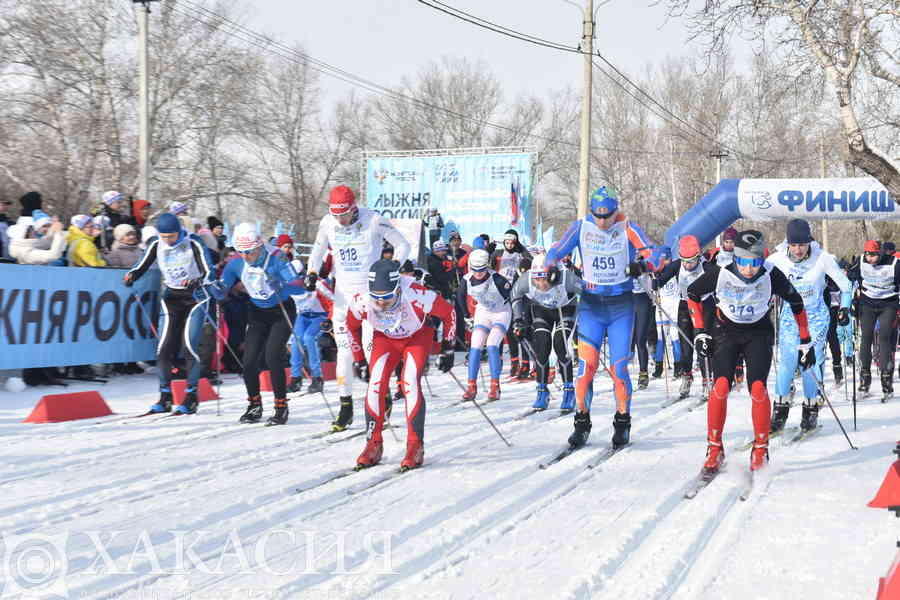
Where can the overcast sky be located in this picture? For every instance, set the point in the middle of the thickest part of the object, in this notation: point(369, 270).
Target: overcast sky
point(384, 40)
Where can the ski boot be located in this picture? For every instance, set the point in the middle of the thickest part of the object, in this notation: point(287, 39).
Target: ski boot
point(887, 385)
point(582, 430)
point(780, 410)
point(281, 413)
point(253, 414)
point(715, 456)
point(371, 454)
point(471, 391)
point(188, 406)
point(315, 386)
point(848, 361)
point(164, 405)
point(568, 399)
point(494, 392)
point(295, 385)
point(865, 380)
point(685, 389)
point(643, 380)
point(622, 430)
point(810, 419)
point(513, 369)
point(759, 456)
point(543, 398)
point(838, 373)
point(415, 455)
point(657, 370)
point(345, 416)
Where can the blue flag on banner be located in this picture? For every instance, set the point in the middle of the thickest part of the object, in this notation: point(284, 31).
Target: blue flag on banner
point(279, 228)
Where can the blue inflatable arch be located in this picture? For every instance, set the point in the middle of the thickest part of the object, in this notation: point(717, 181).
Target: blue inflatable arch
point(782, 199)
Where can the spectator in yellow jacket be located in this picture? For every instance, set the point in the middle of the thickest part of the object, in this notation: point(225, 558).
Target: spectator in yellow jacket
point(82, 251)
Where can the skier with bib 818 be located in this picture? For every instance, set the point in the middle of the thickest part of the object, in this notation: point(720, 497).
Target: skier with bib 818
point(743, 291)
point(611, 248)
point(806, 265)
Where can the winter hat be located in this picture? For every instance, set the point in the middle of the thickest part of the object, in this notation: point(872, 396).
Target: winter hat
point(439, 246)
point(688, 247)
point(284, 239)
point(178, 208)
point(478, 260)
point(749, 244)
point(729, 234)
point(341, 200)
point(136, 207)
point(121, 230)
point(888, 247)
point(798, 232)
point(214, 222)
point(872, 246)
point(511, 234)
point(384, 276)
point(478, 243)
point(454, 235)
point(246, 237)
point(112, 196)
point(40, 219)
point(80, 221)
point(30, 202)
point(604, 201)
point(168, 223)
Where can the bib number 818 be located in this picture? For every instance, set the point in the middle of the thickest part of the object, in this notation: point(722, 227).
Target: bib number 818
point(348, 254)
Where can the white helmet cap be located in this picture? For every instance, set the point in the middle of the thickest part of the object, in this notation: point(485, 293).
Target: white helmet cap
point(246, 237)
point(478, 260)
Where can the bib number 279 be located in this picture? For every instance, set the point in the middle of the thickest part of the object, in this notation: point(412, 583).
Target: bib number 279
point(741, 310)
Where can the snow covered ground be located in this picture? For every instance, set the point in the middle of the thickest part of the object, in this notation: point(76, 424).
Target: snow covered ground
point(203, 507)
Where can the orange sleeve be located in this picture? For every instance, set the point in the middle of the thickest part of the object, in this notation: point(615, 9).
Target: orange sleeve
point(803, 324)
point(696, 310)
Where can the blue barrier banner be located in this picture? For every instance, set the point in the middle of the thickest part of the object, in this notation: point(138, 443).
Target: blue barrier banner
point(61, 316)
point(481, 193)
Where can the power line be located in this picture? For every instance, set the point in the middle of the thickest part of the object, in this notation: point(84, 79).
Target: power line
point(200, 14)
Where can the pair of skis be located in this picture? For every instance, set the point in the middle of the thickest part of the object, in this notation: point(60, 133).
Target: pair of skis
point(607, 453)
point(707, 476)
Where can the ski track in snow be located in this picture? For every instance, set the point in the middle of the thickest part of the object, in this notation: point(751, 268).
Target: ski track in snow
point(479, 520)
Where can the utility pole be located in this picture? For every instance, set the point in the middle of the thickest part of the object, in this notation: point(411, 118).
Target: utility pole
point(587, 47)
point(823, 175)
point(718, 154)
point(143, 18)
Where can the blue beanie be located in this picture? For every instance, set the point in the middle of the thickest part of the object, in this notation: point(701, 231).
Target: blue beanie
point(478, 243)
point(168, 223)
point(798, 232)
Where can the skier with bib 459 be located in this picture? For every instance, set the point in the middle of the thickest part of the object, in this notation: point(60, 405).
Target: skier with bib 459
point(186, 269)
point(398, 309)
point(743, 291)
point(270, 282)
point(355, 236)
point(806, 265)
point(611, 248)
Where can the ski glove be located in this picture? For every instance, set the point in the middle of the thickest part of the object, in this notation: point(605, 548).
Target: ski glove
point(217, 290)
point(361, 369)
point(843, 317)
point(311, 279)
point(636, 269)
point(445, 360)
point(521, 329)
point(806, 354)
point(703, 344)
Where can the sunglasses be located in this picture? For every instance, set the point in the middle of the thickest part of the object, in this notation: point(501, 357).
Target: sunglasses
point(690, 261)
point(385, 296)
point(872, 253)
point(748, 262)
point(608, 215)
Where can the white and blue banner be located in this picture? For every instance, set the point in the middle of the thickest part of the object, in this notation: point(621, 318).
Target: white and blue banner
point(482, 193)
point(61, 316)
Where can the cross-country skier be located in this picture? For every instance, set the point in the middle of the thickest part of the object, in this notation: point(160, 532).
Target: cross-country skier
point(312, 310)
point(506, 260)
point(723, 256)
point(878, 275)
point(186, 269)
point(667, 336)
point(543, 316)
point(806, 265)
point(610, 248)
point(355, 236)
point(490, 291)
point(270, 282)
point(685, 270)
point(643, 317)
point(398, 309)
point(743, 292)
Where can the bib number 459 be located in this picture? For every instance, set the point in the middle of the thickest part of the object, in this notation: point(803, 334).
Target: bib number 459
point(604, 263)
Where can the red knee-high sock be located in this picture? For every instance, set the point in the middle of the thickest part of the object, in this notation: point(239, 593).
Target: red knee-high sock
point(716, 409)
point(762, 412)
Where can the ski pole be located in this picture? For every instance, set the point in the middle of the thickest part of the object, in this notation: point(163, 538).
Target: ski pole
point(478, 406)
point(822, 395)
point(296, 341)
point(853, 349)
point(144, 314)
point(219, 333)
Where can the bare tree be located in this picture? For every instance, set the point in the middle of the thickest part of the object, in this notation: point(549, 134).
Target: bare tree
point(843, 41)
